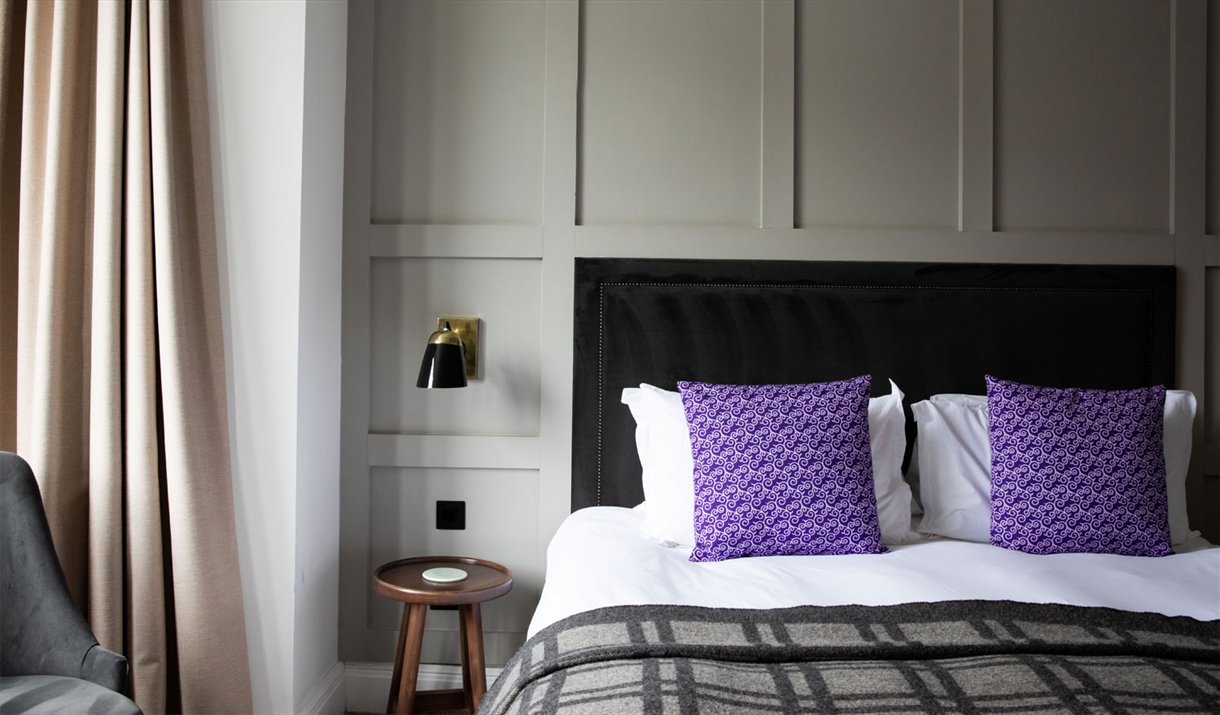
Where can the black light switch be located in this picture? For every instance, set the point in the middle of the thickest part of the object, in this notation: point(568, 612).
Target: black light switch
point(451, 515)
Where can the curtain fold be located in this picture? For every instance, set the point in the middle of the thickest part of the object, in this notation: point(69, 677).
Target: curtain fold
point(12, 50)
point(113, 306)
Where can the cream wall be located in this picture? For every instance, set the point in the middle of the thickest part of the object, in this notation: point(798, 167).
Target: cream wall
point(488, 143)
point(276, 98)
point(254, 81)
point(316, 586)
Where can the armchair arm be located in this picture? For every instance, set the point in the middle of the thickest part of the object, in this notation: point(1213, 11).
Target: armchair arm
point(41, 630)
point(106, 668)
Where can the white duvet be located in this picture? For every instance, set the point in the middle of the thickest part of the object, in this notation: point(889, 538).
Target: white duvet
point(598, 559)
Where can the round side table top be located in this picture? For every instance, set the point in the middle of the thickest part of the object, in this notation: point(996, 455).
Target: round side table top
point(403, 580)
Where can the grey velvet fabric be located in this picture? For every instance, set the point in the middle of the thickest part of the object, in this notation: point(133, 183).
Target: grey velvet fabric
point(39, 694)
point(41, 631)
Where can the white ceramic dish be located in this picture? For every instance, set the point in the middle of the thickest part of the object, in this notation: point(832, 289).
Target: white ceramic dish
point(444, 574)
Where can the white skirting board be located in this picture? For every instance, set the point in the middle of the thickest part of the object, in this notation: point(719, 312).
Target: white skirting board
point(329, 696)
point(368, 684)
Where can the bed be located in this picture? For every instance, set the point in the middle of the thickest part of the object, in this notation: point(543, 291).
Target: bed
point(625, 624)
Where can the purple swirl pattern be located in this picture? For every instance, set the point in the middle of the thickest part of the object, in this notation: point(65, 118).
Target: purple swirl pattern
point(1077, 471)
point(782, 469)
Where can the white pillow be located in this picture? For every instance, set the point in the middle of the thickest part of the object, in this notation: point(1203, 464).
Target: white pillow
point(887, 434)
point(663, 443)
point(1180, 408)
point(955, 465)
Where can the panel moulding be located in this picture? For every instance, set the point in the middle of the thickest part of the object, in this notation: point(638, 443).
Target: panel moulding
point(851, 244)
point(777, 191)
point(452, 451)
point(454, 241)
point(976, 118)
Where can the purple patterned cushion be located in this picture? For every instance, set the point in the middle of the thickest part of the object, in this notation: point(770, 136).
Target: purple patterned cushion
point(1077, 470)
point(782, 469)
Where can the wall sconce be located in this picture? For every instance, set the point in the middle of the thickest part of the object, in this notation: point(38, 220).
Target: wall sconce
point(451, 357)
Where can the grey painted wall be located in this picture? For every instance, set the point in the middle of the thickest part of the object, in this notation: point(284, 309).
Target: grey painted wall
point(489, 143)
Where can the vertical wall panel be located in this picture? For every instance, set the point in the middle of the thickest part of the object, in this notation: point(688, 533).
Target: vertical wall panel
point(1211, 372)
point(408, 295)
point(670, 112)
point(1213, 117)
point(1082, 121)
point(457, 111)
point(877, 103)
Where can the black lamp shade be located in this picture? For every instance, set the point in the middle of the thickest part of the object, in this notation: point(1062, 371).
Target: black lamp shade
point(444, 366)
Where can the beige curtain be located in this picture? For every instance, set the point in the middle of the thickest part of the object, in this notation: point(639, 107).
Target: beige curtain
point(109, 291)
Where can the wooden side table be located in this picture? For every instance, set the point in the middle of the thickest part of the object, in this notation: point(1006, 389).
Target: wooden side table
point(403, 581)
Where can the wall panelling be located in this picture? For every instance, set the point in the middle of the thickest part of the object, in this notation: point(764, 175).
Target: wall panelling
point(877, 114)
point(1211, 407)
point(490, 142)
point(1082, 115)
point(1213, 117)
point(669, 112)
point(504, 294)
point(501, 511)
point(458, 133)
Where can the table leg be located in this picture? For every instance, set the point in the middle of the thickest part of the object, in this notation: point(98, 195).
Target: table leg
point(465, 660)
point(410, 661)
point(472, 645)
point(402, 642)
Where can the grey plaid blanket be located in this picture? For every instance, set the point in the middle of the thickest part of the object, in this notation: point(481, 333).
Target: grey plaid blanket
point(951, 657)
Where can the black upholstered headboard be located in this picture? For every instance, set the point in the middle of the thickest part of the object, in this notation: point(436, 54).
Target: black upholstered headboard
point(932, 328)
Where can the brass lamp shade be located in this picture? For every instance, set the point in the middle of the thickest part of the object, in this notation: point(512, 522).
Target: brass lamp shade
point(444, 362)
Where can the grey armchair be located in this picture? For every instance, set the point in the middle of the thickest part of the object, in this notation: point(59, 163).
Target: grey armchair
point(50, 662)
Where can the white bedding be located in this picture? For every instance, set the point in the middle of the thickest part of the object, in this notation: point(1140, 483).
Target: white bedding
point(598, 559)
